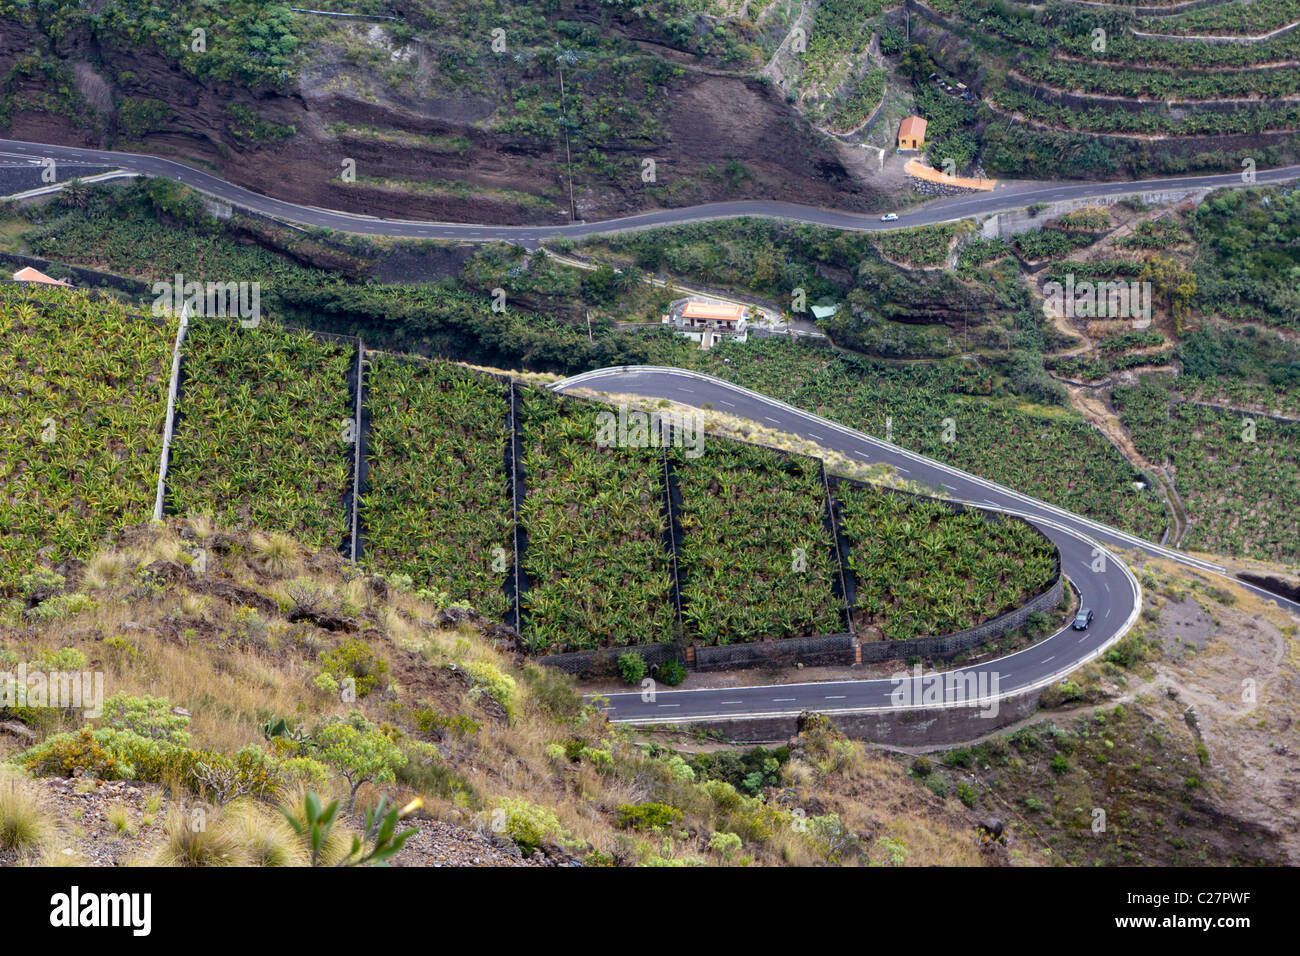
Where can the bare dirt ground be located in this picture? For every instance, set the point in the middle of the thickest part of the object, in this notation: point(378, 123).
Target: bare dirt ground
point(1235, 673)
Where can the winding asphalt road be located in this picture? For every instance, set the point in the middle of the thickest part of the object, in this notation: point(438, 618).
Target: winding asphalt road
point(1103, 580)
point(1110, 589)
point(1006, 196)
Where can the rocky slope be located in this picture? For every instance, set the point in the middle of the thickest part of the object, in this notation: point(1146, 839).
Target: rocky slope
point(426, 139)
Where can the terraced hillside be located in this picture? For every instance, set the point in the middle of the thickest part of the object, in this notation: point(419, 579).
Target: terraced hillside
point(81, 420)
point(261, 443)
point(260, 434)
point(1107, 88)
point(460, 111)
point(1238, 470)
point(945, 412)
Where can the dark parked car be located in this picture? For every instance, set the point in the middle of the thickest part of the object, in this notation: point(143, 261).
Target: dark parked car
point(1082, 619)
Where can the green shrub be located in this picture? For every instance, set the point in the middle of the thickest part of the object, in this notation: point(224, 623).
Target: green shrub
point(890, 852)
point(966, 793)
point(647, 816)
point(937, 784)
point(354, 658)
point(679, 768)
point(59, 607)
point(961, 757)
point(631, 667)
point(671, 672)
point(527, 824)
point(487, 679)
point(65, 659)
point(724, 844)
point(61, 754)
point(147, 716)
point(358, 751)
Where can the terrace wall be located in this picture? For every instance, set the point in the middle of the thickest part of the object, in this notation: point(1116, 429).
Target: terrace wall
point(828, 649)
point(1082, 103)
point(604, 662)
point(931, 729)
point(1003, 225)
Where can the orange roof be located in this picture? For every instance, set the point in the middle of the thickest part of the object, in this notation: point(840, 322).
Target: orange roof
point(28, 274)
point(713, 311)
point(913, 128)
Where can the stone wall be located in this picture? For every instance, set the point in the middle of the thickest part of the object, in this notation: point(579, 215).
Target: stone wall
point(1006, 224)
point(827, 649)
point(929, 729)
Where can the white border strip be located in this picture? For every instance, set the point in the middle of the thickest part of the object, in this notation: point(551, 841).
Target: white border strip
point(356, 450)
point(164, 458)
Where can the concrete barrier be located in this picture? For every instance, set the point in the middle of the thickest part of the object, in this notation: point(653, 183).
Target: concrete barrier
point(933, 728)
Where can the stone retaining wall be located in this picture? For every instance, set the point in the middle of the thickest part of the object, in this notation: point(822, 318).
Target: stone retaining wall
point(930, 729)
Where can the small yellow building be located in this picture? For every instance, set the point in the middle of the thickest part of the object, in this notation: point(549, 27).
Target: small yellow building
point(911, 134)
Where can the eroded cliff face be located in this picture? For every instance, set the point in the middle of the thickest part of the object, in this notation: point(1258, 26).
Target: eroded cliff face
point(425, 149)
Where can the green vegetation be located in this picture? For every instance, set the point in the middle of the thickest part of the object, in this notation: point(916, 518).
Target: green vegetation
point(1154, 234)
point(761, 256)
point(1051, 243)
point(925, 246)
point(1104, 79)
point(153, 229)
point(249, 128)
point(247, 41)
point(1000, 438)
point(1090, 218)
point(1248, 119)
point(975, 569)
point(755, 555)
point(437, 504)
point(980, 252)
point(1238, 472)
point(81, 420)
point(260, 437)
point(1248, 261)
point(598, 570)
point(1027, 55)
point(863, 98)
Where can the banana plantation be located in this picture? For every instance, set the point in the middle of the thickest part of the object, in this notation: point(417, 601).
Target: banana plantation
point(923, 568)
point(617, 546)
point(81, 422)
point(262, 438)
point(599, 573)
point(436, 506)
point(755, 552)
point(940, 412)
point(1238, 472)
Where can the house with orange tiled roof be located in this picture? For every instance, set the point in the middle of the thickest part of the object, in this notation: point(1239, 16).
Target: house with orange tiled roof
point(28, 274)
point(708, 322)
point(911, 133)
